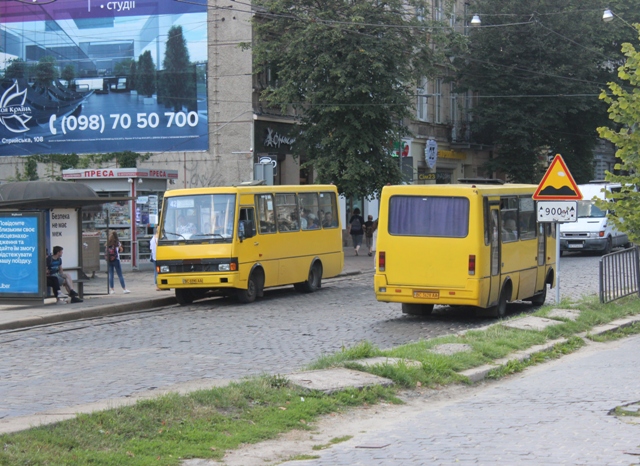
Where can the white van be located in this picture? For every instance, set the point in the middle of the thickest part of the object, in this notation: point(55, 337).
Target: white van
point(593, 231)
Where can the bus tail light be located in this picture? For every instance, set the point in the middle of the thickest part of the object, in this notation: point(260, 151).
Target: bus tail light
point(382, 260)
point(472, 264)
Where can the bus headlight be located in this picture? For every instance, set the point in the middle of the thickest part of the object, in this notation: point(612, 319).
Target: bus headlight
point(164, 269)
point(224, 267)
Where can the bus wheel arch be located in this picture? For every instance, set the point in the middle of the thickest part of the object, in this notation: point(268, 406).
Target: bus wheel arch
point(539, 298)
point(506, 291)
point(314, 279)
point(255, 286)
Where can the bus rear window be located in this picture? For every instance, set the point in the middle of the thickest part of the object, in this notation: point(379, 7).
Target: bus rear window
point(429, 216)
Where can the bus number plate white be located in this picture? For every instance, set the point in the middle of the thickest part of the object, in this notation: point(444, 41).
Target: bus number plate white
point(426, 294)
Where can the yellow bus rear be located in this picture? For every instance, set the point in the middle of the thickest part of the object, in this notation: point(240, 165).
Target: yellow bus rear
point(462, 244)
point(241, 240)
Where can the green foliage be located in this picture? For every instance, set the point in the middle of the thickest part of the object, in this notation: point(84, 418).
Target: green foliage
point(146, 77)
point(538, 67)
point(349, 70)
point(178, 79)
point(68, 74)
point(17, 69)
point(30, 171)
point(133, 75)
point(46, 71)
point(123, 67)
point(125, 159)
point(624, 111)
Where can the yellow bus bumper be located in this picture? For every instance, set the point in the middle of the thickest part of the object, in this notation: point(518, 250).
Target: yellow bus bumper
point(198, 280)
point(473, 294)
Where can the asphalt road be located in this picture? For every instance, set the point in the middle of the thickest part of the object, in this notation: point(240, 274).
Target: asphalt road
point(82, 362)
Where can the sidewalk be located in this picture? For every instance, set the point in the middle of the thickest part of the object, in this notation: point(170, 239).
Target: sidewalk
point(97, 301)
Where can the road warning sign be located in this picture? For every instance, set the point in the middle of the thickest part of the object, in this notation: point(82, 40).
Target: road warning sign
point(557, 184)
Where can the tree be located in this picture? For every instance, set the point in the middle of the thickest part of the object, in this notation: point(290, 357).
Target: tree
point(624, 111)
point(17, 69)
point(349, 70)
point(146, 78)
point(538, 67)
point(178, 80)
point(68, 74)
point(46, 71)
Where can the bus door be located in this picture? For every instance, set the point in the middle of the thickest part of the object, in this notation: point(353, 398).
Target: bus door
point(542, 255)
point(247, 250)
point(495, 265)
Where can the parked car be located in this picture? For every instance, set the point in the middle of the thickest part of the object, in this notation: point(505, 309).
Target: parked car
point(593, 231)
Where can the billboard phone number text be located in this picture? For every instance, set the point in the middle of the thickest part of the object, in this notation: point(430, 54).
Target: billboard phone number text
point(123, 121)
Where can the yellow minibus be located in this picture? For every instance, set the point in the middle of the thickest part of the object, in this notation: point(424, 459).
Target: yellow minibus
point(242, 239)
point(476, 243)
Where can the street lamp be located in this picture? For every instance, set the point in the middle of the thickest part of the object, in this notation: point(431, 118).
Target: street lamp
point(475, 21)
point(608, 16)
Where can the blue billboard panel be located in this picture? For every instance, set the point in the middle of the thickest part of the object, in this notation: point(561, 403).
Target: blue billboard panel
point(89, 76)
point(20, 257)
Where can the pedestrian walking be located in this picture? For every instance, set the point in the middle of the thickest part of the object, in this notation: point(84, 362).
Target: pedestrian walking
point(153, 245)
point(369, 228)
point(356, 229)
point(114, 248)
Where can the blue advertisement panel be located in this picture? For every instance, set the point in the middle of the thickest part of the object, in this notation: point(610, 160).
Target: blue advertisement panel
point(20, 258)
point(92, 76)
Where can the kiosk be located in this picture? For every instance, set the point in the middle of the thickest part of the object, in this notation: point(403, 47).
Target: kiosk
point(134, 220)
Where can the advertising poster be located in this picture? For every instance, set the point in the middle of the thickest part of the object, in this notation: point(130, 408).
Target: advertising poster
point(20, 258)
point(94, 76)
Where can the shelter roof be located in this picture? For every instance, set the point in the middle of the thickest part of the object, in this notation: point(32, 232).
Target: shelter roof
point(50, 194)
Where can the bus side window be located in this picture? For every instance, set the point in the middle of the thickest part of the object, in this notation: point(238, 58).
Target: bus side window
point(266, 215)
point(328, 210)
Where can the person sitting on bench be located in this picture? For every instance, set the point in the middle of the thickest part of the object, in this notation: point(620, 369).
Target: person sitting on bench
point(54, 284)
point(54, 269)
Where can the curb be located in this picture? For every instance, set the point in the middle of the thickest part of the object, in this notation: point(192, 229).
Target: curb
point(99, 311)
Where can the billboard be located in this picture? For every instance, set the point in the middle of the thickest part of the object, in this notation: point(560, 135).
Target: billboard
point(21, 256)
point(92, 76)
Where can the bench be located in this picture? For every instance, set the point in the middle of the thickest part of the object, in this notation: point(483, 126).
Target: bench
point(79, 281)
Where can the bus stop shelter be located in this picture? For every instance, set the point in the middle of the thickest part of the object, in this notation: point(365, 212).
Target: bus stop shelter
point(35, 216)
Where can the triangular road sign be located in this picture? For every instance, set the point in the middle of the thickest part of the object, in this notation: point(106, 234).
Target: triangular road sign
point(557, 184)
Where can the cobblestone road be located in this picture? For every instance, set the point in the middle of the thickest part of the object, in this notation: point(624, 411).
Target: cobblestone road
point(81, 362)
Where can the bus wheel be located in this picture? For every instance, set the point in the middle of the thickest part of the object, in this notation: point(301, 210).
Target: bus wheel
point(183, 296)
point(314, 282)
point(501, 309)
point(417, 309)
point(540, 298)
point(609, 246)
point(254, 289)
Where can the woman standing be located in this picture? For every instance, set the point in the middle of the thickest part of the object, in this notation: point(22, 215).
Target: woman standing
point(114, 248)
point(356, 229)
point(153, 245)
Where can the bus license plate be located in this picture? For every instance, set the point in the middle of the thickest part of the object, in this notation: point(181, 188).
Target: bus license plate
point(192, 281)
point(426, 294)
point(575, 245)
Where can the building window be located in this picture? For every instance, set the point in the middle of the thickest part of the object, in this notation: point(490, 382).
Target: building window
point(422, 102)
point(437, 10)
point(438, 96)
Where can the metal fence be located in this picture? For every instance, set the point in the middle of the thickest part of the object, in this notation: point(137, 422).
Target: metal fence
point(619, 274)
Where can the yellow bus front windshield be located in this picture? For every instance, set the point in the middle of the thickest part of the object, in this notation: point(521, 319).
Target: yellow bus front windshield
point(198, 217)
